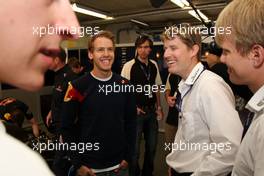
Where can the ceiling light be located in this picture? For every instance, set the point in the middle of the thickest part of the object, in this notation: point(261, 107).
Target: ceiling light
point(193, 13)
point(181, 3)
point(79, 9)
point(139, 22)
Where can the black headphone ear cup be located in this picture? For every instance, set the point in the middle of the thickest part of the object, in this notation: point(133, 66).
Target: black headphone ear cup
point(213, 45)
point(215, 49)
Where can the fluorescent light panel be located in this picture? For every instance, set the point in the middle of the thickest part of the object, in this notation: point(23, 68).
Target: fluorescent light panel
point(185, 4)
point(192, 12)
point(139, 22)
point(181, 3)
point(79, 9)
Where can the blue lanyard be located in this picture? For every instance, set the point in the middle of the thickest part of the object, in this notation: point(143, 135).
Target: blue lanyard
point(147, 74)
point(179, 99)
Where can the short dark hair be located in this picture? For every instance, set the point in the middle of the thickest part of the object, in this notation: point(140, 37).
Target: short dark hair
point(74, 62)
point(142, 39)
point(62, 55)
point(106, 34)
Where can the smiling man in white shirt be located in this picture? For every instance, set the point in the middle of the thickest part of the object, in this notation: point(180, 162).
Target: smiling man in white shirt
point(209, 130)
point(243, 53)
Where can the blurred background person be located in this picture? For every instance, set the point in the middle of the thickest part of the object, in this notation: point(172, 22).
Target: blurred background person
point(13, 112)
point(63, 75)
point(171, 125)
point(76, 66)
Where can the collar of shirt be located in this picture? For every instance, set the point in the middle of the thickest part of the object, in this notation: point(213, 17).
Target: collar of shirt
point(184, 86)
point(256, 103)
point(138, 59)
point(102, 79)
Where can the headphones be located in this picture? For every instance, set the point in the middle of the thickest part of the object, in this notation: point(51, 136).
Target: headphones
point(213, 48)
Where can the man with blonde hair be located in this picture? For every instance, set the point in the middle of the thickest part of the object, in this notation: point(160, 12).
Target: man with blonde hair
point(209, 130)
point(243, 53)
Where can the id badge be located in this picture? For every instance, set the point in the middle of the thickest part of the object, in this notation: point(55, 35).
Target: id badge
point(150, 95)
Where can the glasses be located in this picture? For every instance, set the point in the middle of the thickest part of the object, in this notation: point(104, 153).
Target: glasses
point(104, 49)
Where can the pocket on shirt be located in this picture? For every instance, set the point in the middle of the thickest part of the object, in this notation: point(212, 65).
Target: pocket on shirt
point(188, 128)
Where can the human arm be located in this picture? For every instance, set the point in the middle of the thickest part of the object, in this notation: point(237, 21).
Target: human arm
point(158, 82)
point(170, 99)
point(130, 125)
point(35, 127)
point(48, 119)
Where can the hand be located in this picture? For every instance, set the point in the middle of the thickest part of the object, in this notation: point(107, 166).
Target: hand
point(171, 101)
point(61, 139)
point(140, 111)
point(48, 120)
point(85, 171)
point(159, 113)
point(122, 165)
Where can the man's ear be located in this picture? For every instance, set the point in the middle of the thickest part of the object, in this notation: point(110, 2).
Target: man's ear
point(195, 50)
point(90, 55)
point(257, 55)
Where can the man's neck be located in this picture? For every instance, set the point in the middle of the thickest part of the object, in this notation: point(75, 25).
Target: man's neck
point(189, 70)
point(144, 60)
point(254, 87)
point(101, 74)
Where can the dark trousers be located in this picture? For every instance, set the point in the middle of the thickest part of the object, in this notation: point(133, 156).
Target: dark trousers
point(61, 164)
point(147, 124)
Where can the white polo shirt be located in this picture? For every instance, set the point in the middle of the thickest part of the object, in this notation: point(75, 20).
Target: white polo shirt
point(250, 157)
point(210, 130)
point(18, 159)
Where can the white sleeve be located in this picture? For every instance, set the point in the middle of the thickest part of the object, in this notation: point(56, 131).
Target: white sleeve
point(158, 79)
point(126, 71)
point(218, 105)
point(19, 159)
point(168, 86)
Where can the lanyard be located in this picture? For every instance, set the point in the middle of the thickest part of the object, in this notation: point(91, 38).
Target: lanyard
point(179, 98)
point(147, 74)
point(249, 119)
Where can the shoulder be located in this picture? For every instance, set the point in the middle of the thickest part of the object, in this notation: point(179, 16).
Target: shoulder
point(211, 83)
point(120, 79)
point(82, 81)
point(129, 64)
point(210, 80)
point(153, 62)
point(11, 148)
